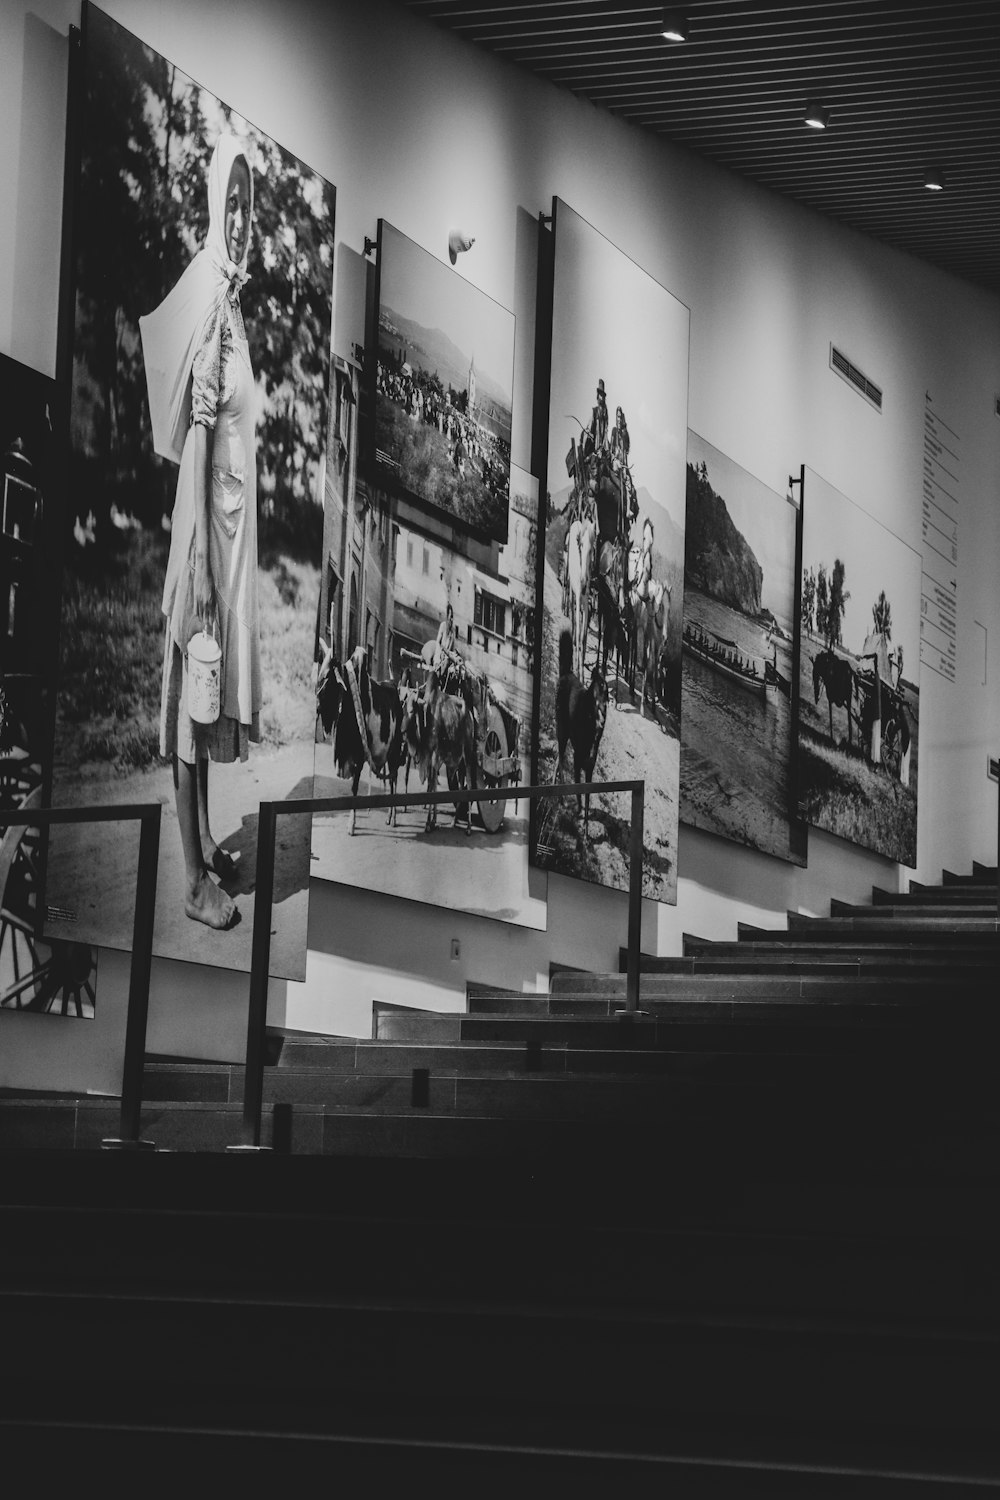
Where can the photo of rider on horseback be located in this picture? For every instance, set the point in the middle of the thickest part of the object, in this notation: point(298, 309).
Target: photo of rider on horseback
point(595, 437)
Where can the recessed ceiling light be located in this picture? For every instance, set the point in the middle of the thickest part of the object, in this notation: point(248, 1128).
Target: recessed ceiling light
point(675, 26)
point(817, 116)
point(934, 179)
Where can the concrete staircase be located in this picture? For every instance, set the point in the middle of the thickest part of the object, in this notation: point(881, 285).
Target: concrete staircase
point(745, 1242)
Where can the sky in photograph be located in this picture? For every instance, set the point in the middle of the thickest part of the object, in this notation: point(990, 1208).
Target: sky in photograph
point(612, 321)
point(417, 285)
point(874, 559)
point(764, 518)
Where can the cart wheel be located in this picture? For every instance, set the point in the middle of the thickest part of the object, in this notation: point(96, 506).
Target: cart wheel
point(56, 977)
point(890, 748)
point(494, 754)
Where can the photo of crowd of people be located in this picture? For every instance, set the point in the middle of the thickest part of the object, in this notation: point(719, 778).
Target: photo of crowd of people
point(477, 453)
point(444, 388)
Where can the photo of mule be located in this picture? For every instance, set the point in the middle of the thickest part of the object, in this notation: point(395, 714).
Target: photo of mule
point(859, 695)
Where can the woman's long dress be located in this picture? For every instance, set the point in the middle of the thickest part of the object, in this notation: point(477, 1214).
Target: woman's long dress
point(223, 400)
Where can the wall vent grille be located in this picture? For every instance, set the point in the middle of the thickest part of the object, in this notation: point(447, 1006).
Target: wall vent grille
point(850, 372)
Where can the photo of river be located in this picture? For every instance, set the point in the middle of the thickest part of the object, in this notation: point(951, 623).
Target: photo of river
point(738, 680)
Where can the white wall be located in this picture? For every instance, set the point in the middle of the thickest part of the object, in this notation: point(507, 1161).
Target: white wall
point(413, 125)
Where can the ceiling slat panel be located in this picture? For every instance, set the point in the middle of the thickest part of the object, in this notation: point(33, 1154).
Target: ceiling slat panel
point(907, 85)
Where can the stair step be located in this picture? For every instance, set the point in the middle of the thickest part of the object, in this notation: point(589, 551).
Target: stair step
point(823, 1374)
point(829, 962)
point(755, 1025)
point(403, 1023)
point(531, 1048)
point(903, 911)
point(458, 1071)
point(867, 938)
point(928, 1200)
point(714, 1130)
point(913, 1278)
point(792, 949)
point(916, 988)
point(863, 923)
point(939, 895)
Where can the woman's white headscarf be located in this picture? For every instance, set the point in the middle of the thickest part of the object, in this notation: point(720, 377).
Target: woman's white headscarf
point(171, 334)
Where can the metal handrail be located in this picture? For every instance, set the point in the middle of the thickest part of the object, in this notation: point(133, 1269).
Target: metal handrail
point(147, 814)
point(253, 1093)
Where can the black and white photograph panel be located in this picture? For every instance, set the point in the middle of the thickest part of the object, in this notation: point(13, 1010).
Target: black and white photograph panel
point(610, 691)
point(203, 263)
point(738, 658)
point(55, 978)
point(444, 388)
point(859, 693)
point(425, 681)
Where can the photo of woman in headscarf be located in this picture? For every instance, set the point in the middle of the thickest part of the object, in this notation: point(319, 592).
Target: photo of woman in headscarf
point(202, 408)
point(199, 413)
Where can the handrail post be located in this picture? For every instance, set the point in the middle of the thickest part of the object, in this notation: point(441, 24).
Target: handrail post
point(634, 902)
point(253, 1088)
point(260, 963)
point(139, 977)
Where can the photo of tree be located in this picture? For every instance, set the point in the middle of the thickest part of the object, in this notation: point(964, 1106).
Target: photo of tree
point(859, 695)
point(152, 216)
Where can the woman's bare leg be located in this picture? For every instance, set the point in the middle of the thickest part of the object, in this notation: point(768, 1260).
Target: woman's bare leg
point(203, 900)
point(215, 858)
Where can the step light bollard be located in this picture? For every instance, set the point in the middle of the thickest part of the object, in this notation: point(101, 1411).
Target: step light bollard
point(147, 815)
point(253, 1090)
point(139, 978)
point(634, 903)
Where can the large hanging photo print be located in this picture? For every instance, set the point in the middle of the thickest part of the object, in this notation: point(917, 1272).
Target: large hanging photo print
point(739, 674)
point(444, 389)
point(427, 632)
point(203, 267)
point(859, 695)
point(426, 677)
point(57, 978)
point(610, 689)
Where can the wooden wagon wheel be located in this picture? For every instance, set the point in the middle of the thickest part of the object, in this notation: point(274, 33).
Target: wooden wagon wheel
point(53, 977)
point(494, 766)
point(891, 751)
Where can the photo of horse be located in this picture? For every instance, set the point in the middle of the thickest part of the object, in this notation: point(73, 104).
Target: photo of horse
point(859, 695)
point(613, 567)
point(739, 682)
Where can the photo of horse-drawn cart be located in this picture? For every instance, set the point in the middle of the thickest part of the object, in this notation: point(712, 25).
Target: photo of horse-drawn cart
point(616, 588)
point(859, 711)
point(609, 690)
